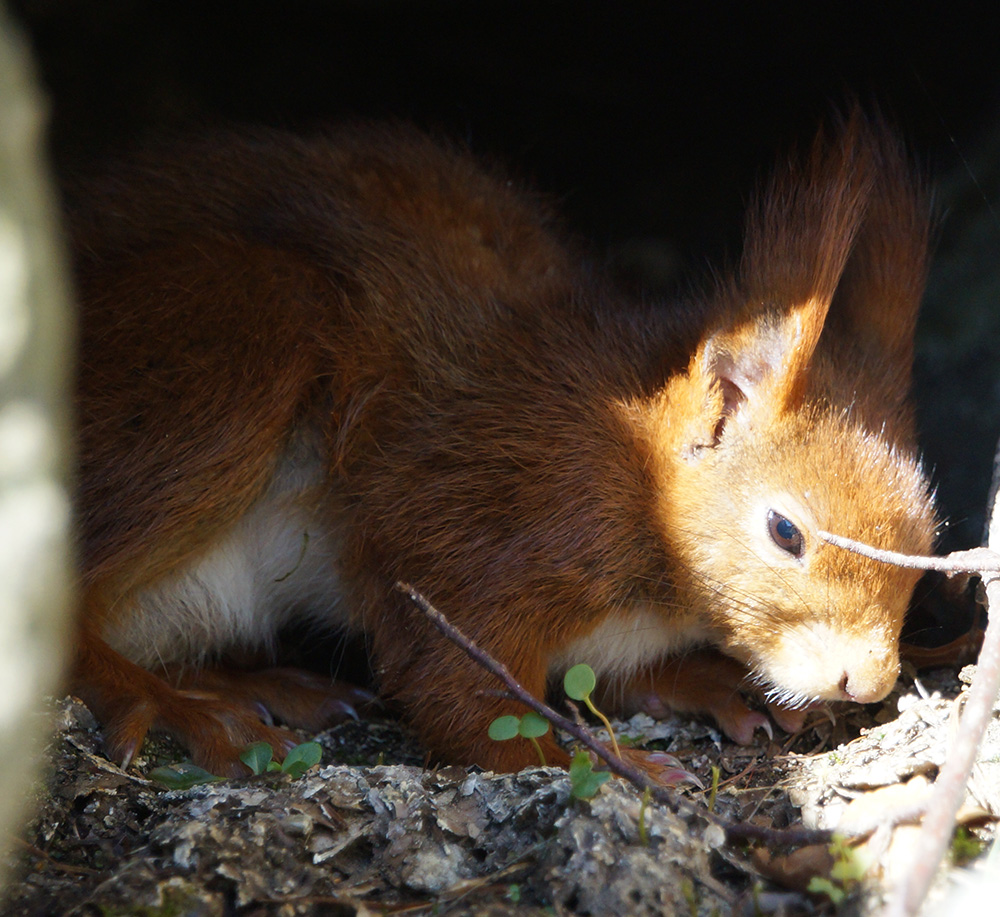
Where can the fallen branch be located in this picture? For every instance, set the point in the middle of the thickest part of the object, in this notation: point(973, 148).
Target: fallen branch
point(734, 830)
point(949, 788)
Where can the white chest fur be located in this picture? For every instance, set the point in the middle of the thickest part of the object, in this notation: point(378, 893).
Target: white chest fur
point(629, 641)
point(277, 562)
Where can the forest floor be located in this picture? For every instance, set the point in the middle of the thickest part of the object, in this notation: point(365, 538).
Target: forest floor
point(356, 837)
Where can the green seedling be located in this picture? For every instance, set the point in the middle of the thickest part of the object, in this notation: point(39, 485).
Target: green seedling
point(848, 869)
point(259, 757)
point(647, 795)
point(584, 780)
point(529, 726)
point(579, 683)
point(301, 758)
point(714, 791)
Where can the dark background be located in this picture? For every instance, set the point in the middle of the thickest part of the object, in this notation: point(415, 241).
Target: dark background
point(647, 121)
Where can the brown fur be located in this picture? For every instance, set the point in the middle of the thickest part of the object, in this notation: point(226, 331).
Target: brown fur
point(457, 402)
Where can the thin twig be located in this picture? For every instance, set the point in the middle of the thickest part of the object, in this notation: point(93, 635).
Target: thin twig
point(774, 837)
point(953, 778)
point(580, 733)
point(977, 560)
point(950, 786)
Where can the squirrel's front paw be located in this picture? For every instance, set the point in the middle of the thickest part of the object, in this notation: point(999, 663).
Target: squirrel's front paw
point(707, 682)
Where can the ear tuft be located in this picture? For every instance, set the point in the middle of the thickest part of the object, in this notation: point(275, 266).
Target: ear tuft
point(878, 299)
point(842, 225)
point(833, 263)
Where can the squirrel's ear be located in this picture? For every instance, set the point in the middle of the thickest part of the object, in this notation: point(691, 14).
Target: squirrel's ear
point(800, 233)
point(765, 357)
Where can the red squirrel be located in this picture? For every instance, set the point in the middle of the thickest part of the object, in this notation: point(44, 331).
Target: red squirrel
point(314, 367)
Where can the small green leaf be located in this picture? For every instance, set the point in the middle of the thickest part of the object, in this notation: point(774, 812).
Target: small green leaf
point(182, 776)
point(847, 870)
point(588, 787)
point(532, 725)
point(257, 757)
point(273, 767)
point(585, 781)
point(504, 727)
point(820, 886)
point(580, 765)
point(301, 758)
point(579, 681)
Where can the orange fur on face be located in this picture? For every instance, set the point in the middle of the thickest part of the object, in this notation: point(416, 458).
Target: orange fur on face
point(314, 367)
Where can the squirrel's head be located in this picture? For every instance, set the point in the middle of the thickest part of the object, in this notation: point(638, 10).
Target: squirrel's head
point(792, 417)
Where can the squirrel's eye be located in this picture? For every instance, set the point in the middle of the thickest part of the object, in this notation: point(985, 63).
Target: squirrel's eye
point(785, 534)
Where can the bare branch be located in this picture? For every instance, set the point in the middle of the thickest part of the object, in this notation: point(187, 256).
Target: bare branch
point(950, 786)
point(978, 560)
